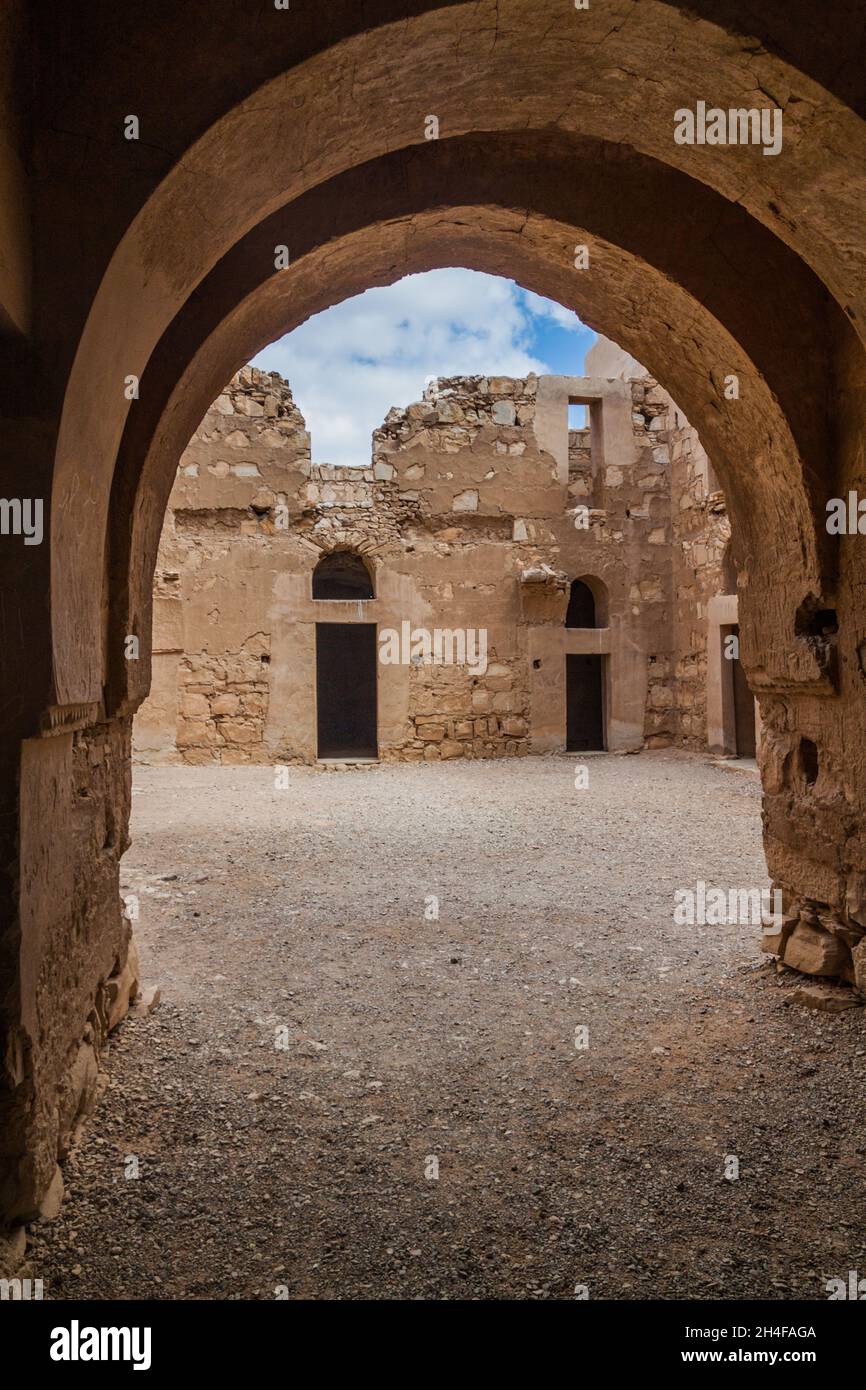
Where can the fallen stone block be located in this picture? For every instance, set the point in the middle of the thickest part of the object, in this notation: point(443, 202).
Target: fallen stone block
point(120, 990)
point(826, 998)
point(773, 939)
point(78, 1092)
point(147, 1001)
point(815, 952)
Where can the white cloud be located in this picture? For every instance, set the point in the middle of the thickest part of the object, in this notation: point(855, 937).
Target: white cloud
point(549, 309)
point(349, 365)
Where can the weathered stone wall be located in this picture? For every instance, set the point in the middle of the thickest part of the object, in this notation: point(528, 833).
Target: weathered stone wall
point(75, 943)
point(699, 537)
point(477, 509)
point(210, 684)
point(145, 298)
point(650, 421)
point(466, 459)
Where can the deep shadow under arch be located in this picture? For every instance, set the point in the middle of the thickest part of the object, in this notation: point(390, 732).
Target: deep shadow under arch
point(341, 574)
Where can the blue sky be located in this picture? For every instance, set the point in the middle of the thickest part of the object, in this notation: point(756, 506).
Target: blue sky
point(350, 364)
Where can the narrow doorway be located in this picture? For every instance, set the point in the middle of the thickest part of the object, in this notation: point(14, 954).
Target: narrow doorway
point(346, 690)
point(583, 701)
point(744, 708)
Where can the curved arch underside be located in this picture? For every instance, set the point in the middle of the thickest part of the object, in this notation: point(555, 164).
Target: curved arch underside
point(561, 121)
point(750, 438)
point(154, 258)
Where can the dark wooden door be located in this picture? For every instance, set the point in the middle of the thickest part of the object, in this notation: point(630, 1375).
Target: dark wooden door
point(346, 690)
point(583, 702)
point(744, 710)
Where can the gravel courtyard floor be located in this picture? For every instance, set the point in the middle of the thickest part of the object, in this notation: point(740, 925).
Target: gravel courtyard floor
point(297, 917)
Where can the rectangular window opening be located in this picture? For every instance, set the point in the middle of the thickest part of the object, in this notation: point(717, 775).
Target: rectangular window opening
point(583, 450)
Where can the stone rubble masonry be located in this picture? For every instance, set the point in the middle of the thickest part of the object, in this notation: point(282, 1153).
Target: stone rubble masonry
point(87, 774)
point(470, 494)
point(790, 324)
point(700, 536)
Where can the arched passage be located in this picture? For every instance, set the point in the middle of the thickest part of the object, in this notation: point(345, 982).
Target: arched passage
point(584, 676)
point(319, 144)
point(174, 231)
point(245, 302)
point(219, 330)
point(589, 673)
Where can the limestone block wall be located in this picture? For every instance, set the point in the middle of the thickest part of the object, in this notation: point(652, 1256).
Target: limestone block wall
point(469, 449)
point(467, 457)
point(75, 944)
point(477, 508)
point(451, 719)
point(701, 534)
point(209, 694)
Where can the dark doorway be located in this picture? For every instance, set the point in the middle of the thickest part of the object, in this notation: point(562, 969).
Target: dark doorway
point(744, 708)
point(342, 575)
point(346, 690)
point(583, 701)
point(581, 605)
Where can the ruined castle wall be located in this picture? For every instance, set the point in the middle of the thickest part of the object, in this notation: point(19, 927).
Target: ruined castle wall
point(698, 535)
point(701, 534)
point(467, 458)
point(215, 575)
point(477, 509)
point(74, 939)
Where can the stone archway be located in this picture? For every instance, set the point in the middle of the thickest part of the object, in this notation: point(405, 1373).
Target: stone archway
point(320, 144)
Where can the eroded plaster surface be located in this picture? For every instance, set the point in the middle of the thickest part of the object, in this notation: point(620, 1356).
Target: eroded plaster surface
point(476, 510)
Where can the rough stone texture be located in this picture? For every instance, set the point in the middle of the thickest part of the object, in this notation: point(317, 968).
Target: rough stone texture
point(698, 531)
point(468, 518)
point(318, 136)
point(408, 1037)
point(826, 999)
point(815, 952)
point(13, 1248)
point(68, 951)
point(701, 537)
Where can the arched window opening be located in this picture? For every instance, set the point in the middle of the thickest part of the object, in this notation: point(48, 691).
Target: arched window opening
point(342, 575)
point(581, 605)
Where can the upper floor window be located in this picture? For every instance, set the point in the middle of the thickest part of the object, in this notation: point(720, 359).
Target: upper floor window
point(342, 575)
point(581, 605)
